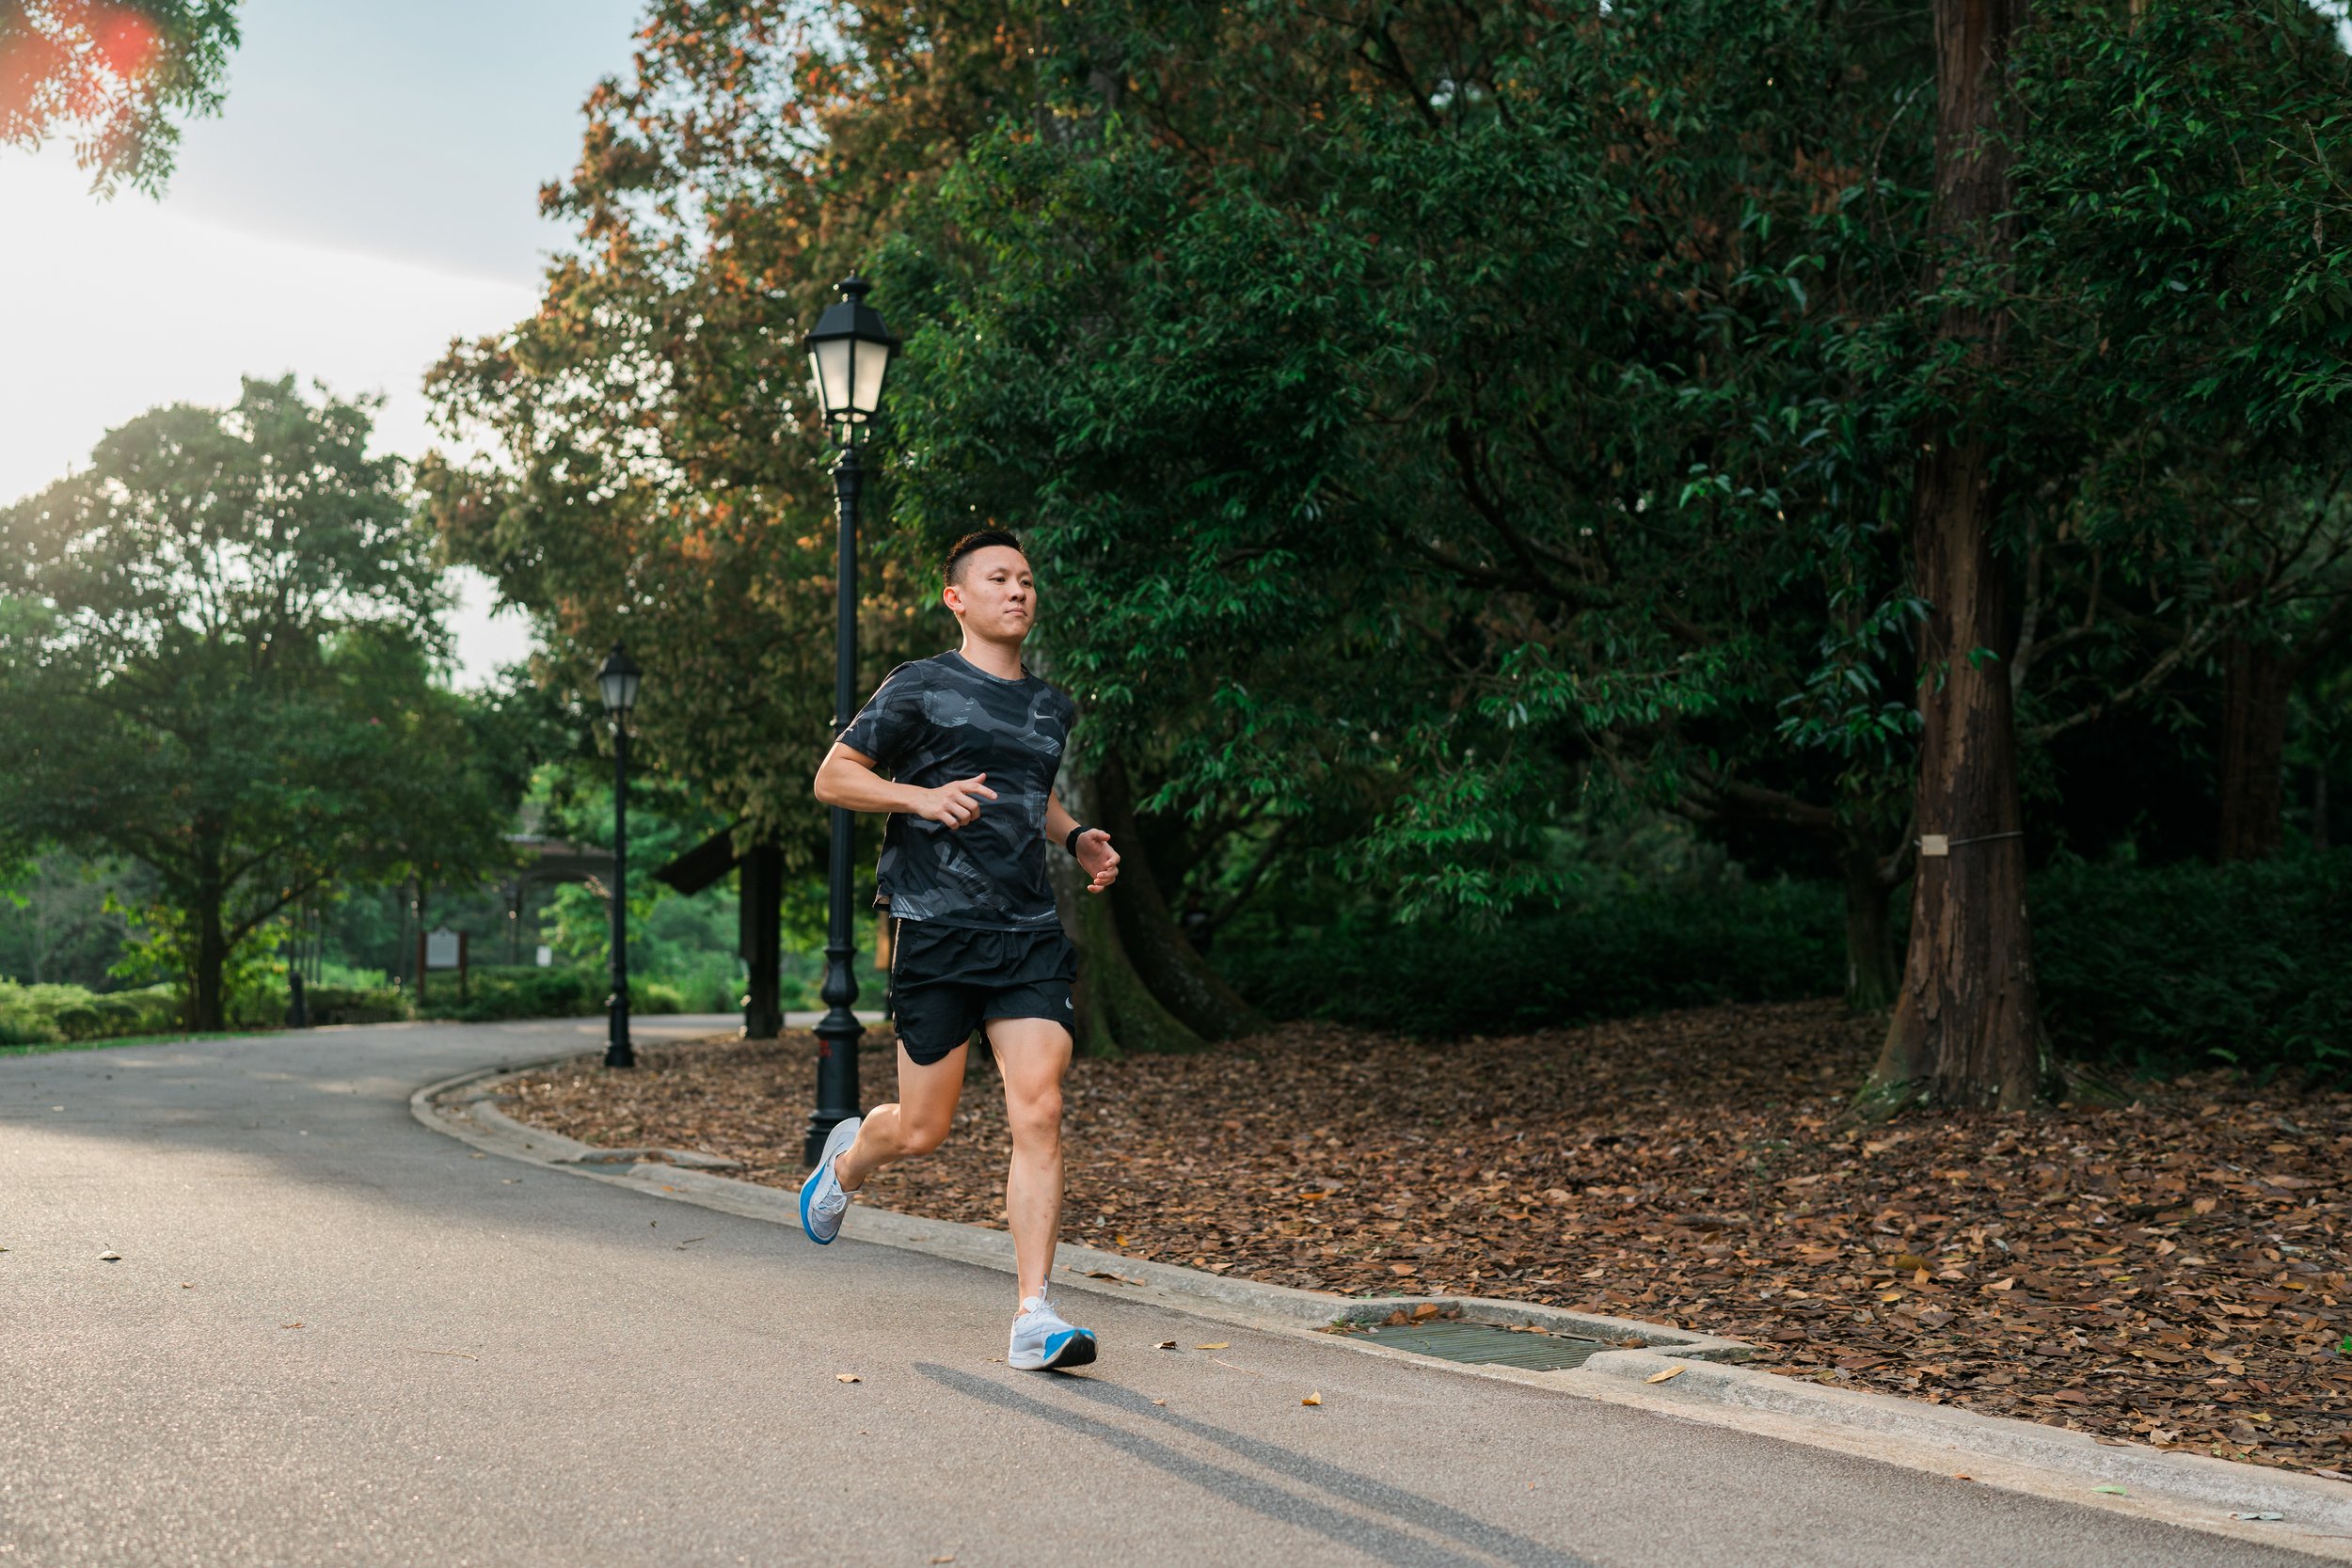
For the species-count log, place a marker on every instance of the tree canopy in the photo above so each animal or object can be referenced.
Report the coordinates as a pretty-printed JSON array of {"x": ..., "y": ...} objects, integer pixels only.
[
  {"x": 218, "y": 657},
  {"x": 1438, "y": 423},
  {"x": 115, "y": 76}
]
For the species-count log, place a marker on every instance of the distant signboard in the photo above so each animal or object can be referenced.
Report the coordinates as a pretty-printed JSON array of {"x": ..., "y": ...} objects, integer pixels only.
[
  {"x": 443, "y": 949},
  {"x": 546, "y": 956}
]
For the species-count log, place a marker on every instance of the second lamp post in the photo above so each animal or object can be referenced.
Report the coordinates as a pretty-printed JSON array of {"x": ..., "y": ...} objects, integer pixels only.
[
  {"x": 617, "y": 681},
  {"x": 849, "y": 353}
]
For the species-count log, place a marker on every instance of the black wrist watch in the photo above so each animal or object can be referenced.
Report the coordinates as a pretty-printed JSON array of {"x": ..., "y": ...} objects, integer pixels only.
[{"x": 1071, "y": 841}]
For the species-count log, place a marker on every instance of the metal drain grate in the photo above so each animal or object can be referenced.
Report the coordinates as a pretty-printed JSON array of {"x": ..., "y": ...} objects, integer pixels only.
[{"x": 1486, "y": 1345}]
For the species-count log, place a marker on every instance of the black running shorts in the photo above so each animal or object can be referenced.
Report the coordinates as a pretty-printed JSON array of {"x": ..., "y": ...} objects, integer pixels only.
[{"x": 948, "y": 980}]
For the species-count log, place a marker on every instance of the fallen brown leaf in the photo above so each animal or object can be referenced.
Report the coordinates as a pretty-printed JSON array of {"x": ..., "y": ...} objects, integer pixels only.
[
  {"x": 1215, "y": 1344},
  {"x": 847, "y": 1377},
  {"x": 1667, "y": 1376},
  {"x": 1313, "y": 1399}
]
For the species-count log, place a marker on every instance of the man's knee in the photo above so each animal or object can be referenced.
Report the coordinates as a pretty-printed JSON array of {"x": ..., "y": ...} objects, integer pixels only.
[
  {"x": 920, "y": 1137},
  {"x": 1036, "y": 1116}
]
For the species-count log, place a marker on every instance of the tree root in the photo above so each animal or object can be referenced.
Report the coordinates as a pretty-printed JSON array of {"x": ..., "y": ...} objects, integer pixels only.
[{"x": 1876, "y": 1101}]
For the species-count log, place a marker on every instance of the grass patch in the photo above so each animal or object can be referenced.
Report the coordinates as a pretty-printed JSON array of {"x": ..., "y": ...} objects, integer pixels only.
[{"x": 47, "y": 1047}]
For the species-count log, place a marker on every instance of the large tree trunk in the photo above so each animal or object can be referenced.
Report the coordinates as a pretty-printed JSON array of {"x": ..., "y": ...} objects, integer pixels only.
[
  {"x": 1162, "y": 958},
  {"x": 208, "y": 1006},
  {"x": 1967, "y": 1023},
  {"x": 2258, "y": 679},
  {"x": 1116, "y": 1010},
  {"x": 760, "y": 884},
  {"x": 1871, "y": 973}
]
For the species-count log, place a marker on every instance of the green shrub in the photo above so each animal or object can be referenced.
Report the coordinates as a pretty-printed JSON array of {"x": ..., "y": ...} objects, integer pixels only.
[
  {"x": 153, "y": 1010},
  {"x": 515, "y": 990},
  {"x": 493, "y": 992},
  {"x": 56, "y": 1015},
  {"x": 2157, "y": 970},
  {"x": 2191, "y": 965},
  {"x": 1638, "y": 952},
  {"x": 326, "y": 1005},
  {"x": 22, "y": 1024}
]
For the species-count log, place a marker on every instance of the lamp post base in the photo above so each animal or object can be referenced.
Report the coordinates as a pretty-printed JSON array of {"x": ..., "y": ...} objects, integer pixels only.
[
  {"x": 838, "y": 1034},
  {"x": 838, "y": 1044},
  {"x": 618, "y": 1051}
]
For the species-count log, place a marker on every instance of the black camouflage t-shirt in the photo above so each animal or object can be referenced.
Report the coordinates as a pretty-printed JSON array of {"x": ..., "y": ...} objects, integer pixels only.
[{"x": 938, "y": 719}]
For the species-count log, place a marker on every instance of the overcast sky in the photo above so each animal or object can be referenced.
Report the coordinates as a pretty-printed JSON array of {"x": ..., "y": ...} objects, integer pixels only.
[{"x": 368, "y": 192}]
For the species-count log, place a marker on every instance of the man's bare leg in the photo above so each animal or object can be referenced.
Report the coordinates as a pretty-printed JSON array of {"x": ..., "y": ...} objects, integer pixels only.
[
  {"x": 1033, "y": 1054},
  {"x": 916, "y": 1124}
]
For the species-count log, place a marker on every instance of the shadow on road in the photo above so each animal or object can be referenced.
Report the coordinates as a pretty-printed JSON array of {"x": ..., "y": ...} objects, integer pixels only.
[{"x": 1372, "y": 1538}]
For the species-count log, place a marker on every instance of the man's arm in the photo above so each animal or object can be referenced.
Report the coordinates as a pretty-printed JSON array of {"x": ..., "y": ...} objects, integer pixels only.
[
  {"x": 847, "y": 778},
  {"x": 1096, "y": 857}
]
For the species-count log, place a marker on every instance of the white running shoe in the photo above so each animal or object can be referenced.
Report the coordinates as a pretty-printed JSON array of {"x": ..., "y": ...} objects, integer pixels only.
[
  {"x": 823, "y": 1199},
  {"x": 1041, "y": 1339}
]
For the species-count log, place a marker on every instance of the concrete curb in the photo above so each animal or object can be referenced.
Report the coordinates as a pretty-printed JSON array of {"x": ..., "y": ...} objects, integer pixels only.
[
  {"x": 2195, "y": 1478},
  {"x": 2188, "y": 1490}
]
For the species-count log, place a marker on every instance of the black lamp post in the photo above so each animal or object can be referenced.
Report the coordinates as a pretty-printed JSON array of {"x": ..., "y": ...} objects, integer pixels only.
[
  {"x": 618, "y": 680},
  {"x": 849, "y": 353}
]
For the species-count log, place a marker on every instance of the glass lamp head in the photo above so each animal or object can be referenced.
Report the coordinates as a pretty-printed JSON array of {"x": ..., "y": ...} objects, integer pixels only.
[
  {"x": 849, "y": 352},
  {"x": 618, "y": 678}
]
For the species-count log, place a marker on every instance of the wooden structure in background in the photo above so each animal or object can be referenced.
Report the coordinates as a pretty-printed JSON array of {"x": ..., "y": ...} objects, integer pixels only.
[{"x": 760, "y": 927}]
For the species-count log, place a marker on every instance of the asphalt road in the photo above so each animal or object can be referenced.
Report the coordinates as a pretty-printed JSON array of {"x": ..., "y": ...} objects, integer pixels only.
[{"x": 335, "y": 1337}]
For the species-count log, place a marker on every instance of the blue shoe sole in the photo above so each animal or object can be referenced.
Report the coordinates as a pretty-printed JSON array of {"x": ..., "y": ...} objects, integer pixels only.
[
  {"x": 808, "y": 1188},
  {"x": 1063, "y": 1351}
]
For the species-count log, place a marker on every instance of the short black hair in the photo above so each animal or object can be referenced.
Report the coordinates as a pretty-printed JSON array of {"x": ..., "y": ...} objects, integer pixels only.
[{"x": 979, "y": 539}]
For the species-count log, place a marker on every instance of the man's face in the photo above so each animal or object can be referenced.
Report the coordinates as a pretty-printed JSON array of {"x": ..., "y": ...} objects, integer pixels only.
[{"x": 994, "y": 594}]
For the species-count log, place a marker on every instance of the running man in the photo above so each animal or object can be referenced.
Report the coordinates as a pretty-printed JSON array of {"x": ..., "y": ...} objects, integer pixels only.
[{"x": 972, "y": 741}]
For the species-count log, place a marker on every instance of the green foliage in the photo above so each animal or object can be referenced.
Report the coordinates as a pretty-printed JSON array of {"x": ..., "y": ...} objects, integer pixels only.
[
  {"x": 1632, "y": 952},
  {"x": 516, "y": 991},
  {"x": 2191, "y": 965},
  {"x": 160, "y": 948},
  {"x": 2156, "y": 970},
  {"x": 2178, "y": 404},
  {"x": 115, "y": 77},
  {"x": 218, "y": 658},
  {"x": 55, "y": 1014},
  {"x": 1434, "y": 422},
  {"x": 62, "y": 918},
  {"x": 1421, "y": 513},
  {"x": 657, "y": 474},
  {"x": 2186, "y": 216},
  {"x": 333, "y": 1005}
]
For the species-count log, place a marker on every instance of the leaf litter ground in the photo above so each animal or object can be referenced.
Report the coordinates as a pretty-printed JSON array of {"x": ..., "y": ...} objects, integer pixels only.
[{"x": 2171, "y": 1272}]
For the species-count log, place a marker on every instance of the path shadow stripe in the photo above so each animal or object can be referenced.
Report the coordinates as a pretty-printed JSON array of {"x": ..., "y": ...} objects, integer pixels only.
[{"x": 1374, "y": 1539}]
